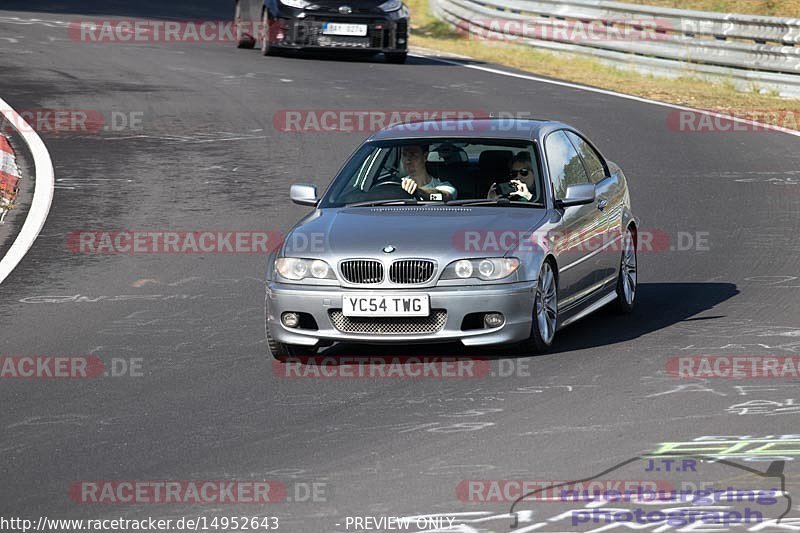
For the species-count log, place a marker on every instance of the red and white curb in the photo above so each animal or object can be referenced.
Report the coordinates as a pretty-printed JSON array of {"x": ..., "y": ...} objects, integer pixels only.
[
  {"x": 9, "y": 178},
  {"x": 42, "y": 190}
]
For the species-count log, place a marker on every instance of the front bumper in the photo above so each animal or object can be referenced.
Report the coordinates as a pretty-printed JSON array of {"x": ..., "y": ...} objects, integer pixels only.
[
  {"x": 514, "y": 300},
  {"x": 383, "y": 35}
]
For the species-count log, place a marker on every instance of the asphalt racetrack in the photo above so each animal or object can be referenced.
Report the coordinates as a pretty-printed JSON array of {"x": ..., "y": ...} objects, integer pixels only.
[{"x": 197, "y": 146}]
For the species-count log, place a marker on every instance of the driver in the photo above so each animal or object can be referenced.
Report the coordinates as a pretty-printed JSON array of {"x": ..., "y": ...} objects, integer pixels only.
[{"x": 418, "y": 180}]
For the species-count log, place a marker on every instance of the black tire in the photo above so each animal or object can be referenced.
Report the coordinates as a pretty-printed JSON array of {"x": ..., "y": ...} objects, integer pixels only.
[
  {"x": 266, "y": 47},
  {"x": 540, "y": 341},
  {"x": 396, "y": 58},
  {"x": 243, "y": 39},
  {"x": 281, "y": 351},
  {"x": 628, "y": 274}
]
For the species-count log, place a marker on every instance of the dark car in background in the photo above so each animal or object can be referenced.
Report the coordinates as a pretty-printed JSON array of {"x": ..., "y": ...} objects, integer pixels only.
[{"x": 368, "y": 26}]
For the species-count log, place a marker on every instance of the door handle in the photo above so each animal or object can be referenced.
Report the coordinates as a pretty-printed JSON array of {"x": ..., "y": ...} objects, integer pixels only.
[{"x": 602, "y": 204}]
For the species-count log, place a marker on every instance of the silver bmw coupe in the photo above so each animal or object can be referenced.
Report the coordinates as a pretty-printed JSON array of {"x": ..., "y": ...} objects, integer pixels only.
[{"x": 484, "y": 231}]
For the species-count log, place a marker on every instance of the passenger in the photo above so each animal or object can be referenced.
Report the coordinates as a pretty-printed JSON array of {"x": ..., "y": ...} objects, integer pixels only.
[
  {"x": 520, "y": 166},
  {"x": 418, "y": 179}
]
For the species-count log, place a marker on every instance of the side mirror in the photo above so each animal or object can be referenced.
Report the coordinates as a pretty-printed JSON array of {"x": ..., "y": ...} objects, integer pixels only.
[
  {"x": 303, "y": 194},
  {"x": 578, "y": 195}
]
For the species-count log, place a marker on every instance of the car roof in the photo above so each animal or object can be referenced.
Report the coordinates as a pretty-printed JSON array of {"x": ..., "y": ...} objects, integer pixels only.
[{"x": 483, "y": 128}]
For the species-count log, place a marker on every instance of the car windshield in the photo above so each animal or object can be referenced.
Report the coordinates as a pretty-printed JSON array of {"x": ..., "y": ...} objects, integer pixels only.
[{"x": 439, "y": 171}]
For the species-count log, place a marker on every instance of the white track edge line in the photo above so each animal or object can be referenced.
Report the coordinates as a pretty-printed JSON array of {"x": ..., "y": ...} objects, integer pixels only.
[
  {"x": 42, "y": 192},
  {"x": 610, "y": 93}
]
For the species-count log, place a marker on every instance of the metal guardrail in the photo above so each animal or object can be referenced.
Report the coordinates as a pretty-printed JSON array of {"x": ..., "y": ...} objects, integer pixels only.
[{"x": 751, "y": 51}]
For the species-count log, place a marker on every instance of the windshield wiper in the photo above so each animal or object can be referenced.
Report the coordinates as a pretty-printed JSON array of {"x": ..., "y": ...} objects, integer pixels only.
[
  {"x": 396, "y": 201},
  {"x": 499, "y": 201}
]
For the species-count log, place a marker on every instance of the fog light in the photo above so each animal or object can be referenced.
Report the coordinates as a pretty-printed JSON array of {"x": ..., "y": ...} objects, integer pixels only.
[
  {"x": 401, "y": 41},
  {"x": 290, "y": 320},
  {"x": 493, "y": 320}
]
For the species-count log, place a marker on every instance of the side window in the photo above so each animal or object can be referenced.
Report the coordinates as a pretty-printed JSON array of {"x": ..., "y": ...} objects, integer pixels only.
[
  {"x": 564, "y": 163},
  {"x": 591, "y": 159}
]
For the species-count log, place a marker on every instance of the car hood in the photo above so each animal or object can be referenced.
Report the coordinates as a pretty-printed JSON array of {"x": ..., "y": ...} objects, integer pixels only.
[
  {"x": 354, "y": 4},
  {"x": 439, "y": 232}
]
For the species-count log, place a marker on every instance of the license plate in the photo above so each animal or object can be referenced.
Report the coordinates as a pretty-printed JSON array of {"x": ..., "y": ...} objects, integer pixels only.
[
  {"x": 385, "y": 305},
  {"x": 336, "y": 28}
]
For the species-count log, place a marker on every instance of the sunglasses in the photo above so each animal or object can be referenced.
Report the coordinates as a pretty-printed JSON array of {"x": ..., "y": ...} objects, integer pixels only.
[{"x": 522, "y": 172}]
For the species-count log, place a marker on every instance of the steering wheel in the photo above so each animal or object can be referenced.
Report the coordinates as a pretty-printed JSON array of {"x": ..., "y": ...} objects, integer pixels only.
[
  {"x": 384, "y": 184},
  {"x": 387, "y": 188}
]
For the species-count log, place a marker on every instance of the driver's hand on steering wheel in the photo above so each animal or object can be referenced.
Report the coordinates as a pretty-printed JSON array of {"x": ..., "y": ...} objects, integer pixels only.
[{"x": 408, "y": 185}]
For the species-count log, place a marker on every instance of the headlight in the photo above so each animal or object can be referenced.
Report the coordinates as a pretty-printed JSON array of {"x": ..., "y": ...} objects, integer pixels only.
[
  {"x": 297, "y": 4},
  {"x": 486, "y": 268},
  {"x": 391, "y": 5},
  {"x": 489, "y": 269},
  {"x": 463, "y": 268},
  {"x": 297, "y": 269},
  {"x": 319, "y": 269}
]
